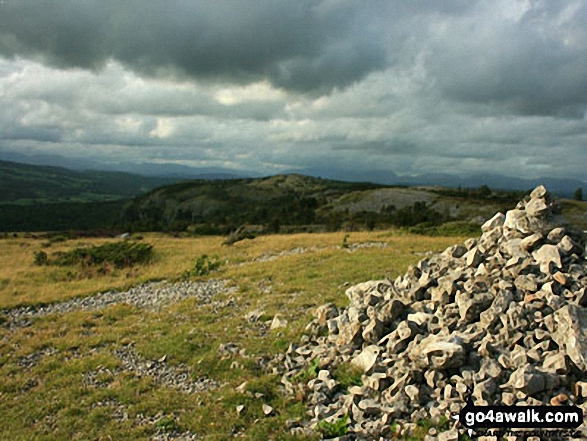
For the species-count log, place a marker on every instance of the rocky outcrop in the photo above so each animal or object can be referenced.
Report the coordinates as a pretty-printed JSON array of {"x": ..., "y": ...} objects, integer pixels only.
[{"x": 503, "y": 315}]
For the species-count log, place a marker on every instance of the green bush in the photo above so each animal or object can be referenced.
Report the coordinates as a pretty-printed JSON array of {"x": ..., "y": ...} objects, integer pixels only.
[
  {"x": 203, "y": 266},
  {"x": 345, "y": 243},
  {"x": 41, "y": 258},
  {"x": 119, "y": 254},
  {"x": 168, "y": 425},
  {"x": 332, "y": 430},
  {"x": 309, "y": 373}
]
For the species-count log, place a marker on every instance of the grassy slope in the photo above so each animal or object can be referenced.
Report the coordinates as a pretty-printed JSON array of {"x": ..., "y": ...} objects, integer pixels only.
[
  {"x": 234, "y": 202},
  {"x": 49, "y": 400},
  {"x": 26, "y": 184}
]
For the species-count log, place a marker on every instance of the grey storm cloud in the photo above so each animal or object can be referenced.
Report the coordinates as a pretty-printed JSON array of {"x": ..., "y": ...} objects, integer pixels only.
[
  {"x": 533, "y": 63},
  {"x": 418, "y": 86},
  {"x": 300, "y": 45}
]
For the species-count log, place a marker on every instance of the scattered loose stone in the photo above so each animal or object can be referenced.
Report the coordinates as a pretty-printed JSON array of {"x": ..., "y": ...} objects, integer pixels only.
[
  {"x": 175, "y": 376},
  {"x": 153, "y": 295}
]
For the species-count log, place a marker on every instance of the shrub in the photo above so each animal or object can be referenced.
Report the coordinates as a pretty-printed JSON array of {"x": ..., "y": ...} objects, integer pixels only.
[
  {"x": 309, "y": 373},
  {"x": 119, "y": 254},
  {"x": 168, "y": 424},
  {"x": 345, "y": 243},
  {"x": 41, "y": 258},
  {"x": 333, "y": 430},
  {"x": 203, "y": 266}
]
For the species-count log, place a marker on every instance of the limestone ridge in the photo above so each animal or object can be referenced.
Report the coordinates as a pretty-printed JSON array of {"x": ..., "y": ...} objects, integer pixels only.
[{"x": 504, "y": 315}]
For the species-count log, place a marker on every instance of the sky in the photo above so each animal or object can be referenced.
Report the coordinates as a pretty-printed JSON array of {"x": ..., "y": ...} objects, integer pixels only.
[{"x": 415, "y": 87}]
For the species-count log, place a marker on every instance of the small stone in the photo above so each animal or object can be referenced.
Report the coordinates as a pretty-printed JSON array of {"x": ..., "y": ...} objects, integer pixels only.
[
  {"x": 581, "y": 389},
  {"x": 571, "y": 333},
  {"x": 556, "y": 235},
  {"x": 449, "y": 435},
  {"x": 527, "y": 380},
  {"x": 547, "y": 255},
  {"x": 367, "y": 358},
  {"x": 370, "y": 407},
  {"x": 239, "y": 409},
  {"x": 526, "y": 283},
  {"x": 243, "y": 387},
  {"x": 568, "y": 246},
  {"x": 508, "y": 398},
  {"x": 413, "y": 392},
  {"x": 326, "y": 312},
  {"x": 536, "y": 207},
  {"x": 373, "y": 331},
  {"x": 349, "y": 333},
  {"x": 530, "y": 242},
  {"x": 560, "y": 278},
  {"x": 439, "y": 352},
  {"x": 267, "y": 409},
  {"x": 529, "y": 298},
  {"x": 494, "y": 222},
  {"x": 419, "y": 318},
  {"x": 254, "y": 316},
  {"x": 377, "y": 381},
  {"x": 474, "y": 257},
  {"x": 538, "y": 192},
  {"x": 278, "y": 322},
  {"x": 555, "y": 363},
  {"x": 559, "y": 400}
]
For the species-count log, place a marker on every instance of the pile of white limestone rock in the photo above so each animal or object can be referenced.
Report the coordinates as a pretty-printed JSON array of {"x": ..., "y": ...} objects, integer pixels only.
[{"x": 503, "y": 316}]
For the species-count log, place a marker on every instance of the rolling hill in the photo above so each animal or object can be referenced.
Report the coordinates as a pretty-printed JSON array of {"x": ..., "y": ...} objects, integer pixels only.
[
  {"x": 294, "y": 202},
  {"x": 43, "y": 198},
  {"x": 25, "y": 184}
]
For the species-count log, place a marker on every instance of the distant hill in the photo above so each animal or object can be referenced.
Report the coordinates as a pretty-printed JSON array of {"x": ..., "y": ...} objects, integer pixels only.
[
  {"x": 283, "y": 200},
  {"x": 48, "y": 198},
  {"x": 561, "y": 187},
  {"x": 26, "y": 184},
  {"x": 44, "y": 198},
  {"x": 295, "y": 202}
]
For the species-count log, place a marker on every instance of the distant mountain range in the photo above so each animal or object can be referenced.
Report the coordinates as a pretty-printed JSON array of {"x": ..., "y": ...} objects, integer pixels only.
[
  {"x": 170, "y": 171},
  {"x": 563, "y": 187},
  {"x": 41, "y": 198}
]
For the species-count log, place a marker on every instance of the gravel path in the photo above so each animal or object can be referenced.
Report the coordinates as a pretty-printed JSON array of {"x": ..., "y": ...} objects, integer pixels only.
[
  {"x": 153, "y": 295},
  {"x": 269, "y": 256}
]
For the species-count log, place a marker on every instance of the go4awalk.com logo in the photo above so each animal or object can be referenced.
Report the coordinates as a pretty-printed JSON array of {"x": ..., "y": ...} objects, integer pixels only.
[{"x": 481, "y": 418}]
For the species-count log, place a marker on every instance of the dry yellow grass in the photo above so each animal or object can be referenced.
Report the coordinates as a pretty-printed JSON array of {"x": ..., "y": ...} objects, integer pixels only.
[{"x": 24, "y": 283}]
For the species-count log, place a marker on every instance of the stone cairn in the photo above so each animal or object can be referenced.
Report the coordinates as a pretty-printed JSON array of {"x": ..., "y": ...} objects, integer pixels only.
[{"x": 503, "y": 316}]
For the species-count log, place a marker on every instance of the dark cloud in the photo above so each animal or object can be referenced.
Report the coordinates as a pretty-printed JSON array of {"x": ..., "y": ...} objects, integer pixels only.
[
  {"x": 530, "y": 61},
  {"x": 412, "y": 86},
  {"x": 301, "y": 45}
]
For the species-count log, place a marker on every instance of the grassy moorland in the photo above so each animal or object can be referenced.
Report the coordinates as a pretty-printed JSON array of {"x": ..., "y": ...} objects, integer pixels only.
[{"x": 43, "y": 394}]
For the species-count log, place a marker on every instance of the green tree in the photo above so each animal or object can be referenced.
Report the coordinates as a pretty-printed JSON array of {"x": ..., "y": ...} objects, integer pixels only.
[
  {"x": 579, "y": 194},
  {"x": 484, "y": 191}
]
